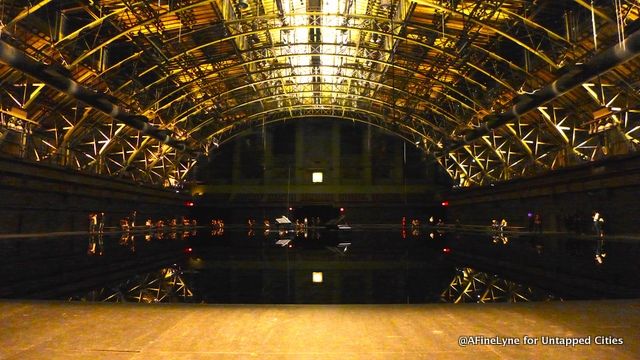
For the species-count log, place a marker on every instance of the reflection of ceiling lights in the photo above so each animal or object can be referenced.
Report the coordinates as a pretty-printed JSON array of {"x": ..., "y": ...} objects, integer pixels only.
[{"x": 243, "y": 4}]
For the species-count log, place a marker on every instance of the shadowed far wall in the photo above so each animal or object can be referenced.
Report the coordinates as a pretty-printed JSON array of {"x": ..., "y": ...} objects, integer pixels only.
[
  {"x": 40, "y": 198},
  {"x": 376, "y": 175},
  {"x": 565, "y": 198}
]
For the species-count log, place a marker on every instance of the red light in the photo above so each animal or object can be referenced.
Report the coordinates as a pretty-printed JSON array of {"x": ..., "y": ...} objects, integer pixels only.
[
  {"x": 445, "y": 203},
  {"x": 290, "y": 209},
  {"x": 188, "y": 203},
  {"x": 188, "y": 250},
  {"x": 446, "y": 250},
  {"x": 341, "y": 209}
]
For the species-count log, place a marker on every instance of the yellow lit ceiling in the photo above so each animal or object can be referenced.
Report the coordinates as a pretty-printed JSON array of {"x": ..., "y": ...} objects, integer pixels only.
[{"x": 427, "y": 71}]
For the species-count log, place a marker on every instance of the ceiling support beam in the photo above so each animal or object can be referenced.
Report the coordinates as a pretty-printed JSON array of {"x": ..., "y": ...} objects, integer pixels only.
[
  {"x": 576, "y": 76},
  {"x": 52, "y": 77}
]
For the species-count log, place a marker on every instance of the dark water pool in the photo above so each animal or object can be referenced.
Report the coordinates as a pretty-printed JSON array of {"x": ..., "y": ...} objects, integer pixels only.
[{"x": 320, "y": 266}]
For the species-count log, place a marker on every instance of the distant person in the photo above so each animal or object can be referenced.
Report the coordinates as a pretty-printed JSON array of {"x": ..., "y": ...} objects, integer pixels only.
[
  {"x": 132, "y": 219},
  {"x": 503, "y": 225},
  {"x": 101, "y": 222},
  {"x": 93, "y": 222},
  {"x": 598, "y": 223},
  {"x": 124, "y": 224},
  {"x": 537, "y": 223},
  {"x": 494, "y": 224}
]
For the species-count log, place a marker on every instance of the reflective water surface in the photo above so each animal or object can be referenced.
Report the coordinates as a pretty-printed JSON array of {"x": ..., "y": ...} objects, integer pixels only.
[{"x": 320, "y": 266}]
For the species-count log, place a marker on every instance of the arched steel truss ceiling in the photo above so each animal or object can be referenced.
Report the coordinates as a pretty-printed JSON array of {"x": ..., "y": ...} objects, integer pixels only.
[
  {"x": 406, "y": 38},
  {"x": 275, "y": 26},
  {"x": 401, "y": 93},
  {"x": 439, "y": 68},
  {"x": 399, "y": 37},
  {"x": 474, "y": 105}
]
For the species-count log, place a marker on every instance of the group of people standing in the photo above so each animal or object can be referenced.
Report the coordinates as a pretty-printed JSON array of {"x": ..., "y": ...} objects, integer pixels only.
[{"x": 96, "y": 222}]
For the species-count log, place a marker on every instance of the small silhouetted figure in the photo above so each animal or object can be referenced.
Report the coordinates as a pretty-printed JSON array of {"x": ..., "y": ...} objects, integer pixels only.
[
  {"x": 93, "y": 222},
  {"x": 101, "y": 222},
  {"x": 503, "y": 226},
  {"x": 598, "y": 223},
  {"x": 494, "y": 224},
  {"x": 537, "y": 223},
  {"x": 132, "y": 219},
  {"x": 598, "y": 226},
  {"x": 124, "y": 224}
]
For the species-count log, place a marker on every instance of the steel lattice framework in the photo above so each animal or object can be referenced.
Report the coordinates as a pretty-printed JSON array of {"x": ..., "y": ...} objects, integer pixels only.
[
  {"x": 164, "y": 285},
  {"x": 428, "y": 71},
  {"x": 470, "y": 285}
]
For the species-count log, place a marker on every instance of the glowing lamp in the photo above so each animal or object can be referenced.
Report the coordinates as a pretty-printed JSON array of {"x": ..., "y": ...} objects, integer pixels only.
[{"x": 316, "y": 277}]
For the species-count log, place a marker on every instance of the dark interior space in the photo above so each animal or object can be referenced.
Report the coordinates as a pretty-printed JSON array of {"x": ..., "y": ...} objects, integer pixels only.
[{"x": 309, "y": 179}]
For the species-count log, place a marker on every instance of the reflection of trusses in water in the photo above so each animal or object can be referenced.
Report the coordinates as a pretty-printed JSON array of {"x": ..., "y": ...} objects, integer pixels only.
[
  {"x": 469, "y": 285},
  {"x": 165, "y": 285}
]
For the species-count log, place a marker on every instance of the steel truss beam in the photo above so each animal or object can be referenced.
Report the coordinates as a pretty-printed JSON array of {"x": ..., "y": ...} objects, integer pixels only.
[
  {"x": 600, "y": 64},
  {"x": 19, "y": 60}
]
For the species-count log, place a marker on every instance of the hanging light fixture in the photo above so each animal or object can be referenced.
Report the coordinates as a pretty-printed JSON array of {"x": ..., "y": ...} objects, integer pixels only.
[{"x": 243, "y": 4}]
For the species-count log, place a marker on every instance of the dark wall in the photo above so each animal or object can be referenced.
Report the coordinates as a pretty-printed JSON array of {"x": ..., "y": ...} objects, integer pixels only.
[
  {"x": 363, "y": 167},
  {"x": 345, "y": 152},
  {"x": 565, "y": 199},
  {"x": 40, "y": 198}
]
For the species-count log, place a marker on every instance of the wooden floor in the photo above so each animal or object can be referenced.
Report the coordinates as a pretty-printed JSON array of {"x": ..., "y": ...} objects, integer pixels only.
[{"x": 58, "y": 330}]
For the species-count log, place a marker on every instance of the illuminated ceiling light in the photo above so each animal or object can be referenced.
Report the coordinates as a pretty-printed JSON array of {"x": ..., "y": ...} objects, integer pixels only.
[
  {"x": 316, "y": 277},
  {"x": 243, "y": 4},
  {"x": 316, "y": 177}
]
